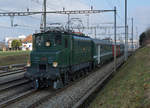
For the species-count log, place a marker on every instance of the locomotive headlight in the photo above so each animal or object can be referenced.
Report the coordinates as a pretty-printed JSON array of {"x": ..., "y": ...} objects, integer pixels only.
[
  {"x": 55, "y": 64},
  {"x": 48, "y": 44}
]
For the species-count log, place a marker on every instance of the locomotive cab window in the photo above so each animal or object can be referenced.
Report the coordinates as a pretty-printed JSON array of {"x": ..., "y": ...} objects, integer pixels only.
[
  {"x": 58, "y": 40},
  {"x": 38, "y": 40}
]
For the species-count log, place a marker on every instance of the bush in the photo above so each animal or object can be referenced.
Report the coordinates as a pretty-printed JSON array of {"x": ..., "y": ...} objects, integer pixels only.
[{"x": 16, "y": 44}]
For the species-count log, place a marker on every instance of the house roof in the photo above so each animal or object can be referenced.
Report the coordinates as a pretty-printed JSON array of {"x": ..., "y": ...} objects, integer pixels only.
[{"x": 28, "y": 39}]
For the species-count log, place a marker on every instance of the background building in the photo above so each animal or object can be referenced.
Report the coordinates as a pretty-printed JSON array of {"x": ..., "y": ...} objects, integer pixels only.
[
  {"x": 8, "y": 40},
  {"x": 27, "y": 43}
]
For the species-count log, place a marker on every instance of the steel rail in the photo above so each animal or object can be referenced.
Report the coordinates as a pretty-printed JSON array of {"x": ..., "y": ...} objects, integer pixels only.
[
  {"x": 11, "y": 73},
  {"x": 94, "y": 87},
  {"x": 13, "y": 84},
  {"x": 18, "y": 97}
]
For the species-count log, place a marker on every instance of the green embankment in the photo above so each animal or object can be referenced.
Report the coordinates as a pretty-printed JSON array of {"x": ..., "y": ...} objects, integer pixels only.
[
  {"x": 130, "y": 87},
  {"x": 17, "y": 57}
]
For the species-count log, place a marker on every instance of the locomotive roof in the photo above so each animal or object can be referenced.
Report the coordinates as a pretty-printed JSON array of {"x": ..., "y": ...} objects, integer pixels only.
[
  {"x": 81, "y": 37},
  {"x": 63, "y": 32},
  {"x": 48, "y": 32},
  {"x": 97, "y": 41}
]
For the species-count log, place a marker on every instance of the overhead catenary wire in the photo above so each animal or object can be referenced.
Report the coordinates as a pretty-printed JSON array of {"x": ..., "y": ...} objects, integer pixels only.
[
  {"x": 38, "y": 2},
  {"x": 7, "y": 27},
  {"x": 111, "y": 5}
]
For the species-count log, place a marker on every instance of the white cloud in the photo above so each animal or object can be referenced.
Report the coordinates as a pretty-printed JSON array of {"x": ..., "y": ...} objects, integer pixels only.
[
  {"x": 33, "y": 5},
  {"x": 142, "y": 17},
  {"x": 37, "y": 4}
]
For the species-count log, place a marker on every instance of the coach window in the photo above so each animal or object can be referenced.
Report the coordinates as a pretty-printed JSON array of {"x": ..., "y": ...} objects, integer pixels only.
[{"x": 66, "y": 43}]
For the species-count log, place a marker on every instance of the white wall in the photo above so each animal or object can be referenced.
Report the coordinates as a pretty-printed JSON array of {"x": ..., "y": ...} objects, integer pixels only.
[{"x": 26, "y": 46}]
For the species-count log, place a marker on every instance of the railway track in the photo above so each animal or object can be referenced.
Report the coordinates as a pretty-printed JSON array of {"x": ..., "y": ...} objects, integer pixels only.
[
  {"x": 15, "y": 88},
  {"x": 2, "y": 74},
  {"x": 93, "y": 89},
  {"x": 54, "y": 93},
  {"x": 38, "y": 96},
  {"x": 43, "y": 95},
  {"x": 31, "y": 98},
  {"x": 10, "y": 70},
  {"x": 16, "y": 98},
  {"x": 75, "y": 95},
  {"x": 11, "y": 92},
  {"x": 13, "y": 83}
]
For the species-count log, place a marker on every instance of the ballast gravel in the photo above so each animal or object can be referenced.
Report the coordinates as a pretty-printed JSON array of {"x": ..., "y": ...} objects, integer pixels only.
[{"x": 73, "y": 94}]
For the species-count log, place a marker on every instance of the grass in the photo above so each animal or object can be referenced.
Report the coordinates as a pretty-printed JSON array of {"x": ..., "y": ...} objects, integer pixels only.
[
  {"x": 13, "y": 53},
  {"x": 130, "y": 87},
  {"x": 15, "y": 57}
]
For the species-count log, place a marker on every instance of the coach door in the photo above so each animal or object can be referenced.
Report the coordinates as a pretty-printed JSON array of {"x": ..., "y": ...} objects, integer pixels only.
[{"x": 99, "y": 50}]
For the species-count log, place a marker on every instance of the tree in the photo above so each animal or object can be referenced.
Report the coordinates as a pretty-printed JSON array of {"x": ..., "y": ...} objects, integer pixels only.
[
  {"x": 142, "y": 39},
  {"x": 16, "y": 44}
]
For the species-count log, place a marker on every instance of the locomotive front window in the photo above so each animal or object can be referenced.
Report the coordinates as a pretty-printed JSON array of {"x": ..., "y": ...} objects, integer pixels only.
[
  {"x": 58, "y": 40},
  {"x": 39, "y": 40}
]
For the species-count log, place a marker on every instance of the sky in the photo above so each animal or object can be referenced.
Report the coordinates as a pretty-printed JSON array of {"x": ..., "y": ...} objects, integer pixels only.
[{"x": 138, "y": 9}]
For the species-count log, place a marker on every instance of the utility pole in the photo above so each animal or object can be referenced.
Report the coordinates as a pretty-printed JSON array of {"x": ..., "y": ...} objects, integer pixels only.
[
  {"x": 44, "y": 16},
  {"x": 68, "y": 22},
  {"x": 137, "y": 36},
  {"x": 132, "y": 35},
  {"x": 12, "y": 20},
  {"x": 95, "y": 32},
  {"x": 126, "y": 37},
  {"x": 88, "y": 20},
  {"x": 115, "y": 31}
]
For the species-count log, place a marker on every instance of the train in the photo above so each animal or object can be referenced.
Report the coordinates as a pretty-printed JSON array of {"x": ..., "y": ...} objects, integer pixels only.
[{"x": 59, "y": 57}]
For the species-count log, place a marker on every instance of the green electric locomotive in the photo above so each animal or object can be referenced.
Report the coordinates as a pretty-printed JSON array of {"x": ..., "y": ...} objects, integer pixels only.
[
  {"x": 60, "y": 56},
  {"x": 57, "y": 56}
]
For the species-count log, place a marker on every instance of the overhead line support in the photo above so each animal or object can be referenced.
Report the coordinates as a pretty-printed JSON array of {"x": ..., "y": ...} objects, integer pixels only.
[
  {"x": 115, "y": 32},
  {"x": 126, "y": 34},
  {"x": 44, "y": 15},
  {"x": 53, "y": 12}
]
